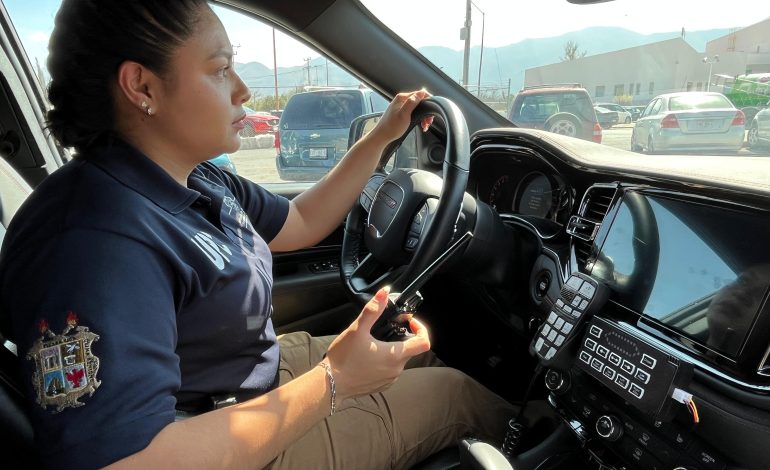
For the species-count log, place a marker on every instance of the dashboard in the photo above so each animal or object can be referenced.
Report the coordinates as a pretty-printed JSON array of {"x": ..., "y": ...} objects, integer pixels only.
[{"x": 679, "y": 351}]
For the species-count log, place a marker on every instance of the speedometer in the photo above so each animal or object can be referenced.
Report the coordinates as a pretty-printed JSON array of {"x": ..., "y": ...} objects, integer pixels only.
[{"x": 534, "y": 196}]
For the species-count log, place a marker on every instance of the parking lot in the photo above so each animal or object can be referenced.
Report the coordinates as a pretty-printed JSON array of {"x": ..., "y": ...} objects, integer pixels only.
[{"x": 259, "y": 164}]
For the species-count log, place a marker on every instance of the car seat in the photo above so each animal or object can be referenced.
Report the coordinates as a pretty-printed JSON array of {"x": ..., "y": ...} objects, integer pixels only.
[{"x": 16, "y": 435}]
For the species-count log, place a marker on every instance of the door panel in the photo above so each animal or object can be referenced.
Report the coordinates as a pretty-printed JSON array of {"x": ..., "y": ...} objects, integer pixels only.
[{"x": 308, "y": 293}]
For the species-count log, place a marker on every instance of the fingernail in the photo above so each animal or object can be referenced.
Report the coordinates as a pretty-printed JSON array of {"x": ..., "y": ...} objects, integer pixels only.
[{"x": 382, "y": 294}]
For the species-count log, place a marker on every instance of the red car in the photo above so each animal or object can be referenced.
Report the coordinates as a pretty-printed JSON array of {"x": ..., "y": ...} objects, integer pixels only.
[{"x": 259, "y": 122}]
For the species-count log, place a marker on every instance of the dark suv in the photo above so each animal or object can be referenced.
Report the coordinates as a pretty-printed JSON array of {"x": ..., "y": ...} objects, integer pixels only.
[
  {"x": 562, "y": 109},
  {"x": 313, "y": 132}
]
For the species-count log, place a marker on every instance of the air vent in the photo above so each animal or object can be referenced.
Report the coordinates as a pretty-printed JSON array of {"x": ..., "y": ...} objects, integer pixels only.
[{"x": 584, "y": 226}]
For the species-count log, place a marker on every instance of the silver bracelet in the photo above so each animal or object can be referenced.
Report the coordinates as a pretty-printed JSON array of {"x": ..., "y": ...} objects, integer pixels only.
[{"x": 329, "y": 374}]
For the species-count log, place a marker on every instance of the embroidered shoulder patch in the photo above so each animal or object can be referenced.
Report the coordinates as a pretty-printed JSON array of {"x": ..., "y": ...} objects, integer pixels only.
[{"x": 65, "y": 367}]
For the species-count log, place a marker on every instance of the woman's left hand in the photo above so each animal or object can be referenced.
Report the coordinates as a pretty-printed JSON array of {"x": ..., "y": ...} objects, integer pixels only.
[{"x": 398, "y": 116}]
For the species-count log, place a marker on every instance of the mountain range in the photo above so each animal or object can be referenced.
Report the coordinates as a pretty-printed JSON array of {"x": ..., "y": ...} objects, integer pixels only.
[{"x": 499, "y": 64}]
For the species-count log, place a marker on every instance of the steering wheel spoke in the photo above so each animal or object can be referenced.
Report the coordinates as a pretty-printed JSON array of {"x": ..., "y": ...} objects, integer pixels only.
[{"x": 406, "y": 218}]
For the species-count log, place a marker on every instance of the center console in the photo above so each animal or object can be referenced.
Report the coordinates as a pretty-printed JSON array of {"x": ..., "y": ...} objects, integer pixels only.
[{"x": 677, "y": 289}]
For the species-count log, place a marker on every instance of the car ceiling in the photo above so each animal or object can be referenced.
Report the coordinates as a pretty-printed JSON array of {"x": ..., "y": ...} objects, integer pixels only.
[{"x": 377, "y": 56}]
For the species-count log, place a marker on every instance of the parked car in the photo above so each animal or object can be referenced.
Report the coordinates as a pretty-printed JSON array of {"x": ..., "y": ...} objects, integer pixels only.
[
  {"x": 624, "y": 115},
  {"x": 759, "y": 130},
  {"x": 224, "y": 162},
  {"x": 635, "y": 111},
  {"x": 689, "y": 121},
  {"x": 313, "y": 131},
  {"x": 606, "y": 117},
  {"x": 561, "y": 109},
  {"x": 259, "y": 122}
]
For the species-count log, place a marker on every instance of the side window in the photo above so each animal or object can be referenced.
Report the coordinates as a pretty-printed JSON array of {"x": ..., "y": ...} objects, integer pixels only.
[
  {"x": 648, "y": 109},
  {"x": 656, "y": 107},
  {"x": 379, "y": 104}
]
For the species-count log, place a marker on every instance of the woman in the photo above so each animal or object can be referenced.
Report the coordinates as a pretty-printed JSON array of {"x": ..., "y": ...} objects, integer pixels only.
[{"x": 137, "y": 277}]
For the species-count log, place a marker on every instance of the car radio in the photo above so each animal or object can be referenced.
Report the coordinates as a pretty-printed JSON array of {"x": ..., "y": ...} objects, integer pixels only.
[{"x": 637, "y": 371}]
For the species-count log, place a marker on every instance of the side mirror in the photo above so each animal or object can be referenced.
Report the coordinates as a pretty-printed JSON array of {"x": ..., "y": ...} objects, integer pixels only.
[{"x": 361, "y": 126}]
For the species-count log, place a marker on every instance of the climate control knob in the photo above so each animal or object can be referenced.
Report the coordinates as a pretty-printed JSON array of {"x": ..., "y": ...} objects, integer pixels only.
[{"x": 609, "y": 427}]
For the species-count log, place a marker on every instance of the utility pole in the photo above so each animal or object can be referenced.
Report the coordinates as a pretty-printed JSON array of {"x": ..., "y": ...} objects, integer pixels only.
[
  {"x": 275, "y": 74},
  {"x": 465, "y": 33},
  {"x": 307, "y": 68}
]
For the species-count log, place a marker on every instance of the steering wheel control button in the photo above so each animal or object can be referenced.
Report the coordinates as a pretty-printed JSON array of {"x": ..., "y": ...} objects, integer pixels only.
[
  {"x": 636, "y": 391},
  {"x": 583, "y": 305},
  {"x": 539, "y": 344},
  {"x": 567, "y": 327},
  {"x": 549, "y": 355},
  {"x": 552, "y": 335},
  {"x": 558, "y": 324},
  {"x": 559, "y": 303},
  {"x": 411, "y": 243},
  {"x": 627, "y": 367},
  {"x": 642, "y": 376},
  {"x": 559, "y": 341},
  {"x": 590, "y": 344},
  {"x": 552, "y": 318},
  {"x": 648, "y": 362}
]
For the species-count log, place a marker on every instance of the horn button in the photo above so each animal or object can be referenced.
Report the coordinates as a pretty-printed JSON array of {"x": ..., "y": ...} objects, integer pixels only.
[{"x": 389, "y": 219}]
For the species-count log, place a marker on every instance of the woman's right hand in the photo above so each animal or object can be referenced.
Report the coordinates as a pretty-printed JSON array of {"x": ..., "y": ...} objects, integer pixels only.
[{"x": 362, "y": 364}]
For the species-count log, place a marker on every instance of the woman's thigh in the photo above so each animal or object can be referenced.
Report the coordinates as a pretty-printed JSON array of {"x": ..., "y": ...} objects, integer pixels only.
[{"x": 425, "y": 410}]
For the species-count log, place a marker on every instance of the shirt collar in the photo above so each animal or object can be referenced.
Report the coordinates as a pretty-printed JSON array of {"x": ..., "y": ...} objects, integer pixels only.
[{"x": 135, "y": 170}]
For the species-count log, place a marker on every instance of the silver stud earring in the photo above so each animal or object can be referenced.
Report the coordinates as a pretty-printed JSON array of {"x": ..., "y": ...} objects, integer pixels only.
[{"x": 147, "y": 109}]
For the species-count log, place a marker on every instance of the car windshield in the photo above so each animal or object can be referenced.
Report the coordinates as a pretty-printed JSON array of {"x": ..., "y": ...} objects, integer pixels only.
[
  {"x": 322, "y": 110},
  {"x": 698, "y": 101},
  {"x": 621, "y": 52}
]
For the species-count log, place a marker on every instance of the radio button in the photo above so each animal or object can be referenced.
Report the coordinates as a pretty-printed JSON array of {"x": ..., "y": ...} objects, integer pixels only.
[
  {"x": 587, "y": 290},
  {"x": 597, "y": 365},
  {"x": 628, "y": 367},
  {"x": 590, "y": 344},
  {"x": 602, "y": 351},
  {"x": 622, "y": 381},
  {"x": 585, "y": 357},
  {"x": 648, "y": 361},
  {"x": 614, "y": 359},
  {"x": 609, "y": 372},
  {"x": 636, "y": 391},
  {"x": 643, "y": 376},
  {"x": 595, "y": 331}
]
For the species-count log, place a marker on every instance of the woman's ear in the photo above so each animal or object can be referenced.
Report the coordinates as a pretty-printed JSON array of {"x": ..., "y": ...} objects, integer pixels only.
[{"x": 138, "y": 85}]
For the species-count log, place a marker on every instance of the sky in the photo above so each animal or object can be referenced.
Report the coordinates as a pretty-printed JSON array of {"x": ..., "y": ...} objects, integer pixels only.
[{"x": 438, "y": 22}]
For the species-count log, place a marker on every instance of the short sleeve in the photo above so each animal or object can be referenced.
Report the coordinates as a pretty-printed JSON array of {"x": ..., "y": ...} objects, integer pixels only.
[
  {"x": 122, "y": 291},
  {"x": 267, "y": 211}
]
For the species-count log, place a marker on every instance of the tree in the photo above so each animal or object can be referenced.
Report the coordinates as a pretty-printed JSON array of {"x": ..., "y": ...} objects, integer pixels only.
[{"x": 571, "y": 52}]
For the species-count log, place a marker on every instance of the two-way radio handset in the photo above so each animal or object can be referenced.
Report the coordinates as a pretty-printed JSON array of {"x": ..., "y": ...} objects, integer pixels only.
[{"x": 393, "y": 324}]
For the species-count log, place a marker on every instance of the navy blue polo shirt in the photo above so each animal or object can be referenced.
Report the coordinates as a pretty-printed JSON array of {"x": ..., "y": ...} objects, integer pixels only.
[{"x": 175, "y": 282}]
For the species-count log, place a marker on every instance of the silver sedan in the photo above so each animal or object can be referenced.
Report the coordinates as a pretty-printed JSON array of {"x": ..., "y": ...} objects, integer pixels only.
[
  {"x": 689, "y": 121},
  {"x": 759, "y": 132}
]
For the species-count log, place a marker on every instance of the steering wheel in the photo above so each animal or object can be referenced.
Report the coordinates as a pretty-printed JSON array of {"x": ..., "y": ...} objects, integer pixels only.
[{"x": 405, "y": 218}]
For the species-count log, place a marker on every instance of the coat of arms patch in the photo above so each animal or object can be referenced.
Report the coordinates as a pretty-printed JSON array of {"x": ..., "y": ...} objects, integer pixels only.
[{"x": 65, "y": 367}]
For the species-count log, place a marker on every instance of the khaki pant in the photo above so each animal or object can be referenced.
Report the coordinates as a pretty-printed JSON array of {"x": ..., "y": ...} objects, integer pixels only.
[{"x": 429, "y": 407}]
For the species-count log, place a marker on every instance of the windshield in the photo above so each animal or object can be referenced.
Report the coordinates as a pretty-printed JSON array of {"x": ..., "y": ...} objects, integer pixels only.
[{"x": 513, "y": 56}]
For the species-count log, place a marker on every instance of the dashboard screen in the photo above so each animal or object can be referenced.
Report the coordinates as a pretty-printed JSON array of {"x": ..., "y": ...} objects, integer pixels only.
[{"x": 700, "y": 270}]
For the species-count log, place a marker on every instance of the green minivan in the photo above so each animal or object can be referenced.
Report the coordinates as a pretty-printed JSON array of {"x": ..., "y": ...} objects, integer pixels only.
[{"x": 313, "y": 131}]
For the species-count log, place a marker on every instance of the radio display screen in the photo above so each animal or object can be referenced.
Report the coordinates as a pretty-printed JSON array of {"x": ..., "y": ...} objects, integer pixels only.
[{"x": 700, "y": 270}]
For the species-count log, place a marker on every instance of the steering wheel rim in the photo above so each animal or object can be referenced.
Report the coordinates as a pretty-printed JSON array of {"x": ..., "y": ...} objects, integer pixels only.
[{"x": 418, "y": 186}]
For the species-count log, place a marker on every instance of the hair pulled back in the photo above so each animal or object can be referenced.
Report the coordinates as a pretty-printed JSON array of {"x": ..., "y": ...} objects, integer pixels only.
[{"x": 90, "y": 39}]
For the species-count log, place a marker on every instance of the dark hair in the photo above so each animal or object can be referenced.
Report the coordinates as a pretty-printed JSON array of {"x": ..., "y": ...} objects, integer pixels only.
[{"x": 90, "y": 39}]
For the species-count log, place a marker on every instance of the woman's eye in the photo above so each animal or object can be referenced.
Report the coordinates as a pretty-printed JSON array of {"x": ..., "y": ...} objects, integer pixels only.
[{"x": 224, "y": 70}]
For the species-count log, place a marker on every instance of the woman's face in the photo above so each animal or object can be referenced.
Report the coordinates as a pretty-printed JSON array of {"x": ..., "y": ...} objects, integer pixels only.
[{"x": 200, "y": 107}]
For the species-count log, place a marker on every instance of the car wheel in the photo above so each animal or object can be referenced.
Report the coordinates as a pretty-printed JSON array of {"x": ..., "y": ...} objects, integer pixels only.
[
  {"x": 564, "y": 125},
  {"x": 753, "y": 138},
  {"x": 650, "y": 145},
  {"x": 628, "y": 120}
]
